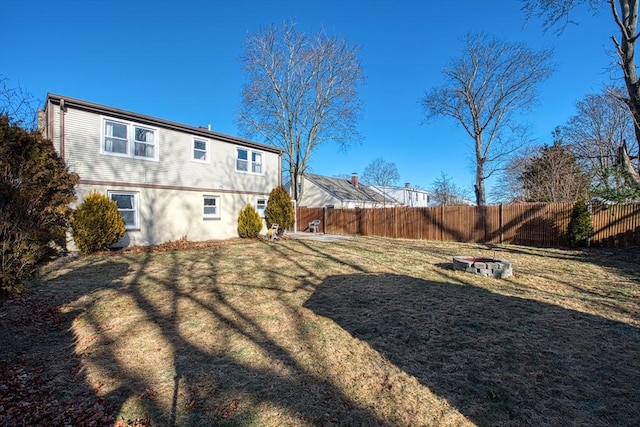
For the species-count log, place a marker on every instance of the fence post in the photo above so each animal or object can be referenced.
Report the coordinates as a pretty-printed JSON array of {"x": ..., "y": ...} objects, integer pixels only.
[
  {"x": 324, "y": 220},
  {"x": 501, "y": 222},
  {"x": 442, "y": 223}
]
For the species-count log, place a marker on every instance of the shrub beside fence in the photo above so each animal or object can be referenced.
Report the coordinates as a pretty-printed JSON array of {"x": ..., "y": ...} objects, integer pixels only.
[{"x": 533, "y": 224}]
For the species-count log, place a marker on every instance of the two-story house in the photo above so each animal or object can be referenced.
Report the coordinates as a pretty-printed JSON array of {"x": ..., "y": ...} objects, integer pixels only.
[
  {"x": 405, "y": 196},
  {"x": 170, "y": 180}
]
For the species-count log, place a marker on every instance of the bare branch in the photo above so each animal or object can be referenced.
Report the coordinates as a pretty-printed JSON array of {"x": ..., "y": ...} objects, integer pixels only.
[
  {"x": 484, "y": 87},
  {"x": 301, "y": 91}
]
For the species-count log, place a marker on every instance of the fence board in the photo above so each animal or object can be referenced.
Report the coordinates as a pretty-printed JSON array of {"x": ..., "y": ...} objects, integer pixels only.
[{"x": 533, "y": 224}]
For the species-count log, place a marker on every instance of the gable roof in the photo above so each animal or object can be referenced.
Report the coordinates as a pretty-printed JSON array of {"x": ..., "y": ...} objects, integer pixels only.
[
  {"x": 154, "y": 121},
  {"x": 344, "y": 190}
]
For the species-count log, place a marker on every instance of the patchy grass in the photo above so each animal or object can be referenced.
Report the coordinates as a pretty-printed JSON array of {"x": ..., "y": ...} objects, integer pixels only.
[{"x": 359, "y": 332}]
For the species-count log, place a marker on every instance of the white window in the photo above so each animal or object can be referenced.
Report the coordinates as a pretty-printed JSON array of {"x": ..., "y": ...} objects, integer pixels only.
[
  {"x": 128, "y": 208},
  {"x": 144, "y": 142},
  {"x": 261, "y": 205},
  {"x": 249, "y": 161},
  {"x": 129, "y": 139},
  {"x": 256, "y": 162},
  {"x": 200, "y": 150},
  {"x": 115, "y": 138},
  {"x": 242, "y": 161},
  {"x": 211, "y": 207}
]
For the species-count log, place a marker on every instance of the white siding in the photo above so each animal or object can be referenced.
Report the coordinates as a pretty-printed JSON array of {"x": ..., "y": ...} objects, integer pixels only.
[
  {"x": 175, "y": 166},
  {"x": 316, "y": 197},
  {"x": 166, "y": 215},
  {"x": 171, "y": 189}
]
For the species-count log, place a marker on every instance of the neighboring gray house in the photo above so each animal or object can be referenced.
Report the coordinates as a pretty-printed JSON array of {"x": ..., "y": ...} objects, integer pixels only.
[
  {"x": 324, "y": 191},
  {"x": 405, "y": 196},
  {"x": 170, "y": 180}
]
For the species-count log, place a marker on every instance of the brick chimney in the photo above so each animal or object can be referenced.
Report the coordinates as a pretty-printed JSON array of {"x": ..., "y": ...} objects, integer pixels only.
[
  {"x": 354, "y": 179},
  {"x": 407, "y": 185}
]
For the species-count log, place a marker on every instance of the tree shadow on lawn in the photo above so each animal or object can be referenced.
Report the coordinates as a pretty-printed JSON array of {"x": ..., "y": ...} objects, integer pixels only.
[
  {"x": 43, "y": 382},
  {"x": 196, "y": 384},
  {"x": 619, "y": 261},
  {"x": 499, "y": 360}
]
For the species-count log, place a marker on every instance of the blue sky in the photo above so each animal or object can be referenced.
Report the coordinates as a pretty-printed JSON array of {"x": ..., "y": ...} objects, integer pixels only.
[{"x": 180, "y": 61}]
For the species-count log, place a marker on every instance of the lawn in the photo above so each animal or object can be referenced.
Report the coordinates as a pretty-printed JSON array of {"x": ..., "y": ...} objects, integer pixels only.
[{"x": 367, "y": 331}]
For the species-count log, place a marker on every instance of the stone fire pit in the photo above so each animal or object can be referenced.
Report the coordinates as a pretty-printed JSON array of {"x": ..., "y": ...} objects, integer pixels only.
[{"x": 490, "y": 267}]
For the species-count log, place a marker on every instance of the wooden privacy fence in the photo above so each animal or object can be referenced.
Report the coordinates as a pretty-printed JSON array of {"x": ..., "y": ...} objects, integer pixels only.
[{"x": 534, "y": 224}]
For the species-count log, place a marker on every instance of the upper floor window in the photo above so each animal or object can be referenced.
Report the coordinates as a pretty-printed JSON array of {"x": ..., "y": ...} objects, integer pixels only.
[
  {"x": 200, "y": 150},
  {"x": 144, "y": 142},
  {"x": 256, "y": 162},
  {"x": 115, "y": 137},
  {"x": 248, "y": 161},
  {"x": 129, "y": 139}
]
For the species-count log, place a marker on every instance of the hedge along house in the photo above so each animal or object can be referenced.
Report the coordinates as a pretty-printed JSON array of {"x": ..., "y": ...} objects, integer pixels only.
[{"x": 170, "y": 180}]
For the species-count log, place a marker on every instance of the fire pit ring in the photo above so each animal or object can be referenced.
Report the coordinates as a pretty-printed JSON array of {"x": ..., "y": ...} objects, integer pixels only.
[{"x": 490, "y": 267}]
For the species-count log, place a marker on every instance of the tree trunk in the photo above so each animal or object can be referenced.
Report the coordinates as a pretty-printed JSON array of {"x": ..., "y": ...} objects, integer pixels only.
[
  {"x": 626, "y": 50},
  {"x": 481, "y": 199},
  {"x": 480, "y": 160},
  {"x": 624, "y": 161}
]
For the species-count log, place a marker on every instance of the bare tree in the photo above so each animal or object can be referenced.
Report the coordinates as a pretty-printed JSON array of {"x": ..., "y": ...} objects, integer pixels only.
[
  {"x": 445, "y": 192},
  {"x": 510, "y": 189},
  {"x": 491, "y": 81},
  {"x": 301, "y": 92},
  {"x": 625, "y": 15},
  {"x": 381, "y": 173},
  {"x": 18, "y": 104},
  {"x": 595, "y": 134}
]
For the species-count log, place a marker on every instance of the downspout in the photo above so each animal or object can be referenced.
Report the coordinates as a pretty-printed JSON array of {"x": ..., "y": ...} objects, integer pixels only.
[
  {"x": 50, "y": 122},
  {"x": 62, "y": 128},
  {"x": 280, "y": 170}
]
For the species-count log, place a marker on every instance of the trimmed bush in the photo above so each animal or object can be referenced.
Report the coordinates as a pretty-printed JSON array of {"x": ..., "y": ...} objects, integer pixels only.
[
  {"x": 580, "y": 226},
  {"x": 97, "y": 224},
  {"x": 279, "y": 210},
  {"x": 249, "y": 222}
]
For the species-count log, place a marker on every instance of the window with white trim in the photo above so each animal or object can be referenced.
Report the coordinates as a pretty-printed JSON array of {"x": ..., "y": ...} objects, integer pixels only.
[
  {"x": 144, "y": 142},
  {"x": 129, "y": 139},
  {"x": 249, "y": 161},
  {"x": 115, "y": 138},
  {"x": 261, "y": 205},
  {"x": 256, "y": 162},
  {"x": 128, "y": 207},
  {"x": 211, "y": 207},
  {"x": 242, "y": 160},
  {"x": 200, "y": 150}
]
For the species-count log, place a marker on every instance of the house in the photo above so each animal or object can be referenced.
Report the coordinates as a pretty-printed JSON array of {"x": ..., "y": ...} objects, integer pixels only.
[
  {"x": 324, "y": 191},
  {"x": 170, "y": 180},
  {"x": 405, "y": 196}
]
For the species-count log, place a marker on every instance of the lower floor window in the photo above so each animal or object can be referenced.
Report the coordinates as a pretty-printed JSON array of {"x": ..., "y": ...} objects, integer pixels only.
[
  {"x": 261, "y": 205},
  {"x": 128, "y": 208},
  {"x": 211, "y": 207}
]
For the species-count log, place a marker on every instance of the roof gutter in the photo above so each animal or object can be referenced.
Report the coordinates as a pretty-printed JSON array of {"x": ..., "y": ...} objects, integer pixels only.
[{"x": 153, "y": 121}]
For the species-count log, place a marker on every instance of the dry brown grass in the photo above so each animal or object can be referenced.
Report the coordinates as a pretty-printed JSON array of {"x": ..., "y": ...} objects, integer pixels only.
[{"x": 361, "y": 332}]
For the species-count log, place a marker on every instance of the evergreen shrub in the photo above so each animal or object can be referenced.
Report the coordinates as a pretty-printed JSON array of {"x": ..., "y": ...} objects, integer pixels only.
[
  {"x": 580, "y": 226},
  {"x": 279, "y": 209},
  {"x": 249, "y": 222},
  {"x": 97, "y": 224},
  {"x": 36, "y": 188}
]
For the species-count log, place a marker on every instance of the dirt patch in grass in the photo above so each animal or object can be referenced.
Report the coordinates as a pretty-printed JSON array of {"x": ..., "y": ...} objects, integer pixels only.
[{"x": 358, "y": 332}]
